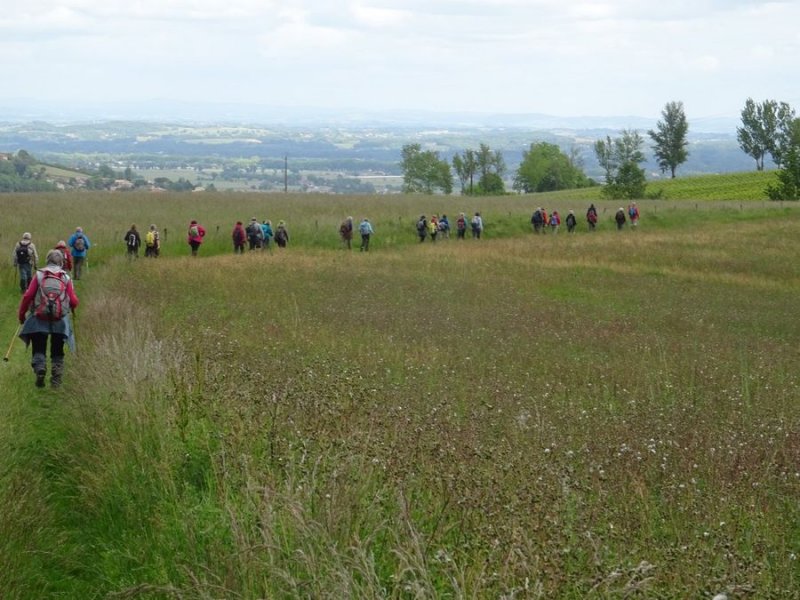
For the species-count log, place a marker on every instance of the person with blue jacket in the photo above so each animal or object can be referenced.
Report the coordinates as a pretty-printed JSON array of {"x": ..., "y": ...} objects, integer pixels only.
[
  {"x": 79, "y": 245},
  {"x": 365, "y": 229},
  {"x": 266, "y": 227}
]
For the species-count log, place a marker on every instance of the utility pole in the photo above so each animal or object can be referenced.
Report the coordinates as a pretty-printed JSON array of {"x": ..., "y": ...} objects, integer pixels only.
[{"x": 285, "y": 173}]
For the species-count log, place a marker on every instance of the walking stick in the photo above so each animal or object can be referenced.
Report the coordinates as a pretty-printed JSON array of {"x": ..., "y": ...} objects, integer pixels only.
[{"x": 11, "y": 345}]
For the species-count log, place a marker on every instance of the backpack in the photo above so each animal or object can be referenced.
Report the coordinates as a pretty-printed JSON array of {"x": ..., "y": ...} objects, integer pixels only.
[
  {"x": 194, "y": 231},
  {"x": 23, "y": 254},
  {"x": 80, "y": 244},
  {"x": 632, "y": 212},
  {"x": 461, "y": 223},
  {"x": 421, "y": 225},
  {"x": 132, "y": 240},
  {"x": 150, "y": 239},
  {"x": 51, "y": 296},
  {"x": 592, "y": 217},
  {"x": 254, "y": 231}
]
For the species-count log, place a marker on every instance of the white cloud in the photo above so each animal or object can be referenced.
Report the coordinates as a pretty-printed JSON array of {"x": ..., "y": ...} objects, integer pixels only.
[
  {"x": 552, "y": 56},
  {"x": 379, "y": 17},
  {"x": 705, "y": 63}
]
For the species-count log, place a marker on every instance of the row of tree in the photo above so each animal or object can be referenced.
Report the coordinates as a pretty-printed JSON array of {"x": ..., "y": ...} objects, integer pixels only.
[{"x": 769, "y": 127}]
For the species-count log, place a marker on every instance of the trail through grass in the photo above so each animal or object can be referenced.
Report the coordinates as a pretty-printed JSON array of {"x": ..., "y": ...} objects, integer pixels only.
[{"x": 609, "y": 415}]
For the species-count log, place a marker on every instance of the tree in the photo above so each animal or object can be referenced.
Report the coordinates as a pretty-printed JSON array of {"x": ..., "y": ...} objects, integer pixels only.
[
  {"x": 670, "y": 138},
  {"x": 620, "y": 159},
  {"x": 424, "y": 172},
  {"x": 489, "y": 165},
  {"x": 545, "y": 168},
  {"x": 765, "y": 128},
  {"x": 788, "y": 186},
  {"x": 466, "y": 166},
  {"x": 784, "y": 137},
  {"x": 492, "y": 167}
]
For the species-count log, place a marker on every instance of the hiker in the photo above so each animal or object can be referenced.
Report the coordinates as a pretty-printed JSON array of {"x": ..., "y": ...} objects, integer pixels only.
[
  {"x": 62, "y": 246},
  {"x": 346, "y": 232},
  {"x": 195, "y": 236},
  {"x": 51, "y": 298},
  {"x": 281, "y": 234},
  {"x": 571, "y": 222},
  {"x": 555, "y": 221},
  {"x": 266, "y": 228},
  {"x": 461, "y": 226},
  {"x": 25, "y": 259},
  {"x": 422, "y": 228},
  {"x": 433, "y": 227},
  {"x": 444, "y": 227},
  {"x": 591, "y": 217},
  {"x": 239, "y": 238},
  {"x": 255, "y": 235},
  {"x": 152, "y": 243},
  {"x": 477, "y": 226},
  {"x": 633, "y": 214},
  {"x": 537, "y": 221},
  {"x": 365, "y": 229},
  {"x": 79, "y": 245},
  {"x": 620, "y": 218},
  {"x": 132, "y": 241}
]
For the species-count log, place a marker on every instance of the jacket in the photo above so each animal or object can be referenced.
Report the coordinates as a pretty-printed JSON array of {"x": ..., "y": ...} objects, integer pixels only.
[
  {"x": 67, "y": 257},
  {"x": 33, "y": 255},
  {"x": 132, "y": 236},
  {"x": 239, "y": 236},
  {"x": 33, "y": 324},
  {"x": 197, "y": 239},
  {"x": 71, "y": 243}
]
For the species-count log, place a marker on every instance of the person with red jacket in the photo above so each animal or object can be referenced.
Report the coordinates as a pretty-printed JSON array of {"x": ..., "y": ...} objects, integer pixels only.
[
  {"x": 195, "y": 237},
  {"x": 555, "y": 221},
  {"x": 62, "y": 246},
  {"x": 51, "y": 298},
  {"x": 239, "y": 236},
  {"x": 633, "y": 214}
]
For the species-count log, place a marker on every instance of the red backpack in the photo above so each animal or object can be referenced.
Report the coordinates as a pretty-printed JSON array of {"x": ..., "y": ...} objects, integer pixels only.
[{"x": 51, "y": 298}]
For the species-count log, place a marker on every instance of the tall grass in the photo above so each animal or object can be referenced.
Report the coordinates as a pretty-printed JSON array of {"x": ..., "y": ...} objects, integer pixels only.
[{"x": 608, "y": 415}]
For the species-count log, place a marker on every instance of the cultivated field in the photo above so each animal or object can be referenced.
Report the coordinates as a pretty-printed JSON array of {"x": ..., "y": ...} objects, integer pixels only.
[{"x": 607, "y": 415}]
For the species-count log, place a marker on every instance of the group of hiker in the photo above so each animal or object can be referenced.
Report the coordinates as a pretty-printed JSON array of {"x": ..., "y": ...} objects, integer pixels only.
[
  {"x": 152, "y": 242},
  {"x": 541, "y": 221},
  {"x": 48, "y": 300},
  {"x": 437, "y": 226},
  {"x": 364, "y": 229},
  {"x": 25, "y": 257},
  {"x": 257, "y": 236}
]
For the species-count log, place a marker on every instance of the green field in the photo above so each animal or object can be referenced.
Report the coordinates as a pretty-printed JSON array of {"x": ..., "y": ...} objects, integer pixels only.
[
  {"x": 599, "y": 415},
  {"x": 740, "y": 187}
]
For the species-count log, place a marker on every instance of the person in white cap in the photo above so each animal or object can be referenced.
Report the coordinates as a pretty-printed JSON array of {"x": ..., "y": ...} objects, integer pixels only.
[{"x": 25, "y": 260}]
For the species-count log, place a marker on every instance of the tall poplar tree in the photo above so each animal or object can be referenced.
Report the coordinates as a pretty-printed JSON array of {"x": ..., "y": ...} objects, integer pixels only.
[{"x": 670, "y": 138}]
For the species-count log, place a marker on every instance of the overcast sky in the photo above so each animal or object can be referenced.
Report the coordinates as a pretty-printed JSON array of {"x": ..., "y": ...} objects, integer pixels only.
[{"x": 558, "y": 57}]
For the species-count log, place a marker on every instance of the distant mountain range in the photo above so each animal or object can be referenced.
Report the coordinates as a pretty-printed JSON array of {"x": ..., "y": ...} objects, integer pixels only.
[
  {"x": 348, "y": 141},
  {"x": 22, "y": 110}
]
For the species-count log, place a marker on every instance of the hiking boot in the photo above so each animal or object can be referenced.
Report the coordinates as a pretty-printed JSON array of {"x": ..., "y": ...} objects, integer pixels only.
[
  {"x": 56, "y": 371},
  {"x": 39, "y": 364}
]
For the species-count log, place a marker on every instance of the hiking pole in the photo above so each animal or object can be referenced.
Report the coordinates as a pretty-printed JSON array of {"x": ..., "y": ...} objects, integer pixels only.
[{"x": 11, "y": 345}]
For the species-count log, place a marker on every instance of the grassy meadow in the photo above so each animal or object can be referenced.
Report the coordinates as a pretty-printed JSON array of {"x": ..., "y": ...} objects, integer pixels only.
[{"x": 604, "y": 415}]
